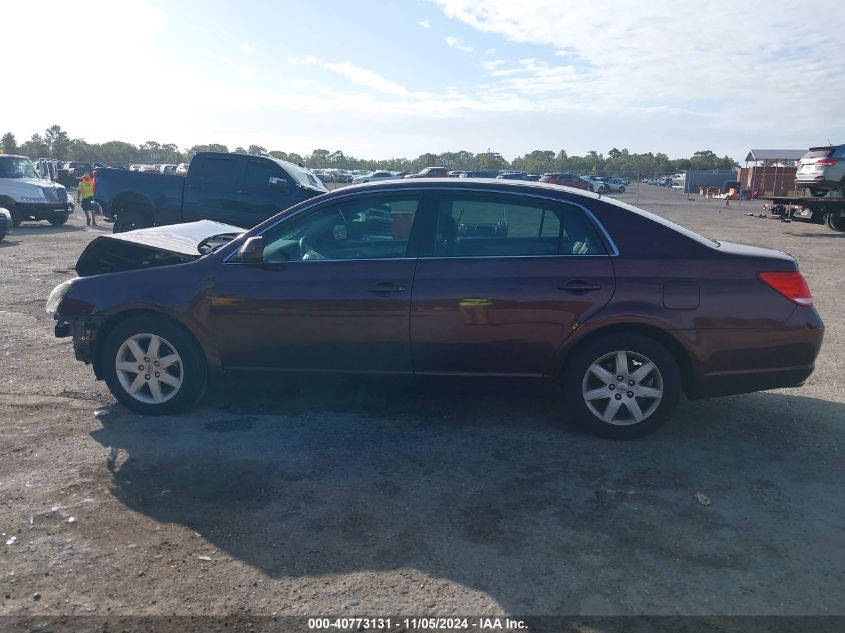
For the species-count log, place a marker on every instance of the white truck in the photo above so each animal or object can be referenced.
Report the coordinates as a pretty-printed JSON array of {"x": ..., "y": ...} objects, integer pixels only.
[{"x": 27, "y": 196}]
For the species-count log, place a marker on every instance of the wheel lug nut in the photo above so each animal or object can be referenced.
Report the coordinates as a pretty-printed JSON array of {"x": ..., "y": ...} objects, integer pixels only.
[
  {"x": 620, "y": 378},
  {"x": 146, "y": 359},
  {"x": 146, "y": 376},
  {"x": 157, "y": 374},
  {"x": 140, "y": 368},
  {"x": 630, "y": 394},
  {"x": 156, "y": 364},
  {"x": 630, "y": 382},
  {"x": 611, "y": 387},
  {"x": 618, "y": 396}
]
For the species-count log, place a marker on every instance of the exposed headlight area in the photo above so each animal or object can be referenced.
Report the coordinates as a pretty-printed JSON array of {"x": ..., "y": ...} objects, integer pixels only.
[{"x": 57, "y": 295}]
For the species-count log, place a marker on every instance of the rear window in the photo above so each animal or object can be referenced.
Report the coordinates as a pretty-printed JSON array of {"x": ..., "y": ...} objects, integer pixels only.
[{"x": 819, "y": 152}]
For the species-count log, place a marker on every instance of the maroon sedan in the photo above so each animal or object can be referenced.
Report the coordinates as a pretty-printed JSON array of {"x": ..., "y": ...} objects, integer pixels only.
[
  {"x": 445, "y": 277},
  {"x": 565, "y": 180}
]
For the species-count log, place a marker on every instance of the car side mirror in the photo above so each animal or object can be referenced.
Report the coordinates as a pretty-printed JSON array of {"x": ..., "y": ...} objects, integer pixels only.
[
  {"x": 280, "y": 184},
  {"x": 252, "y": 251}
]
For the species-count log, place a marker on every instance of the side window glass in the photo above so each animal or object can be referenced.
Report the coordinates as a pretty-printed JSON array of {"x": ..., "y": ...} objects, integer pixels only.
[
  {"x": 220, "y": 171},
  {"x": 258, "y": 174},
  {"x": 377, "y": 227},
  {"x": 490, "y": 227}
]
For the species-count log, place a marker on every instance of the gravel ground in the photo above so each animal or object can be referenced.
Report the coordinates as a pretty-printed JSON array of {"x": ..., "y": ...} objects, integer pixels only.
[{"x": 374, "y": 497}]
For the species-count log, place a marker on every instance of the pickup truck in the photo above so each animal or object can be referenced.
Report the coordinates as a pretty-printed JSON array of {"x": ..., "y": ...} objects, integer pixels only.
[
  {"x": 430, "y": 172},
  {"x": 237, "y": 189}
]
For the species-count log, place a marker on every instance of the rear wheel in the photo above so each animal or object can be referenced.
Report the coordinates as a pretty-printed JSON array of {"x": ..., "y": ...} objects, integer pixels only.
[
  {"x": 153, "y": 366},
  {"x": 835, "y": 222},
  {"x": 131, "y": 219},
  {"x": 622, "y": 189},
  {"x": 622, "y": 386},
  {"x": 817, "y": 193}
]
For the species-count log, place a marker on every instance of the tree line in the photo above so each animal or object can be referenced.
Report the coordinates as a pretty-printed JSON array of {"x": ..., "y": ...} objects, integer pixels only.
[{"x": 56, "y": 143}]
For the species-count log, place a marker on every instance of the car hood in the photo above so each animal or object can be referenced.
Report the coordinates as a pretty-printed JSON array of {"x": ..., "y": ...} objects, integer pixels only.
[{"x": 150, "y": 248}]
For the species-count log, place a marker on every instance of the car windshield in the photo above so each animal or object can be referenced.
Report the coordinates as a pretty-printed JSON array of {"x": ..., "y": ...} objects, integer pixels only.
[
  {"x": 302, "y": 176},
  {"x": 17, "y": 168}
]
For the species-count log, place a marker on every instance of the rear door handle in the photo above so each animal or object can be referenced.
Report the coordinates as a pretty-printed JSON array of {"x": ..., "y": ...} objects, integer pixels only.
[
  {"x": 578, "y": 286},
  {"x": 384, "y": 288}
]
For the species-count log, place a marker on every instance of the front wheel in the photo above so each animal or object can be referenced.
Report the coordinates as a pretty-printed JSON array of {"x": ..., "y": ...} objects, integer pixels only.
[
  {"x": 17, "y": 218},
  {"x": 818, "y": 193},
  {"x": 58, "y": 220},
  {"x": 152, "y": 366},
  {"x": 622, "y": 386},
  {"x": 621, "y": 189}
]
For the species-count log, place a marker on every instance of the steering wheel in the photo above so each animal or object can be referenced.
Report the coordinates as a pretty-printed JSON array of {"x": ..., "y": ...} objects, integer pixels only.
[{"x": 306, "y": 251}]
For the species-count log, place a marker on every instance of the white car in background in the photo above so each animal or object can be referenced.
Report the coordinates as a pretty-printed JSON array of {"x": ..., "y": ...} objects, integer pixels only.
[
  {"x": 375, "y": 177},
  {"x": 595, "y": 184},
  {"x": 181, "y": 169},
  {"x": 168, "y": 169}
]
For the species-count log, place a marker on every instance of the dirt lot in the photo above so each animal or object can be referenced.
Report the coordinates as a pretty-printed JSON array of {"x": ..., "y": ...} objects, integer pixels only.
[{"x": 346, "y": 497}]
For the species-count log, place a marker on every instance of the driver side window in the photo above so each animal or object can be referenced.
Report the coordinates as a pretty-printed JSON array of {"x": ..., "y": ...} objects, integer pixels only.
[{"x": 377, "y": 227}]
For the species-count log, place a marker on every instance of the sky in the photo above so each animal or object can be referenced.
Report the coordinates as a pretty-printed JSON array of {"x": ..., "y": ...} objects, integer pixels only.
[{"x": 393, "y": 78}]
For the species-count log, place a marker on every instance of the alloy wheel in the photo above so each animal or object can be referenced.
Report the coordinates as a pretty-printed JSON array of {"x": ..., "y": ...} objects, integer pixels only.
[
  {"x": 149, "y": 368},
  {"x": 622, "y": 388}
]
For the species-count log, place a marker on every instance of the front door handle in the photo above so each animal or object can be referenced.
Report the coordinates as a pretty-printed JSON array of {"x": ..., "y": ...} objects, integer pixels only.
[
  {"x": 385, "y": 288},
  {"x": 578, "y": 286}
]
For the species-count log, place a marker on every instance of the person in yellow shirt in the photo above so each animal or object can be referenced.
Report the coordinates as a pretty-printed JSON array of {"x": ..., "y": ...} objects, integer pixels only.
[{"x": 85, "y": 195}]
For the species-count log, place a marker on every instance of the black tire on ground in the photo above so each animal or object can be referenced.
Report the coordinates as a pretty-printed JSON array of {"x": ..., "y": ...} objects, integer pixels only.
[
  {"x": 833, "y": 222},
  {"x": 2, "y": 234},
  {"x": 191, "y": 368},
  {"x": 818, "y": 193},
  {"x": 622, "y": 189},
  {"x": 58, "y": 220},
  {"x": 578, "y": 379},
  {"x": 131, "y": 219},
  {"x": 16, "y": 215}
]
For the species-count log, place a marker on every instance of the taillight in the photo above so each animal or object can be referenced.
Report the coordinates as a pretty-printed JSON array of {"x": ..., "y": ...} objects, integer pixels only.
[
  {"x": 826, "y": 161},
  {"x": 792, "y": 285}
]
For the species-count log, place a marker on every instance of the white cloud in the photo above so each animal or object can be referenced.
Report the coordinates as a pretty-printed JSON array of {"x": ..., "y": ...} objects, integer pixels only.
[
  {"x": 459, "y": 44},
  {"x": 368, "y": 78},
  {"x": 426, "y": 24},
  {"x": 246, "y": 48},
  {"x": 727, "y": 61}
]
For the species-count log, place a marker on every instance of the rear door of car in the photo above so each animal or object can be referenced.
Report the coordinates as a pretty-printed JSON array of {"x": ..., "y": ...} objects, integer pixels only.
[
  {"x": 333, "y": 292},
  {"x": 502, "y": 282}
]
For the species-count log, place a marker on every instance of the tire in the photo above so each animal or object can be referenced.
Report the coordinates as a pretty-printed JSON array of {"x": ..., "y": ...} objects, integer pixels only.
[
  {"x": 186, "y": 374},
  {"x": 834, "y": 223},
  {"x": 16, "y": 215},
  {"x": 58, "y": 221},
  {"x": 131, "y": 219},
  {"x": 592, "y": 369},
  {"x": 818, "y": 193},
  {"x": 622, "y": 189}
]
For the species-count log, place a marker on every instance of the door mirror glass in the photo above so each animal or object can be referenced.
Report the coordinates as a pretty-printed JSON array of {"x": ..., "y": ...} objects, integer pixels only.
[
  {"x": 252, "y": 251},
  {"x": 280, "y": 184}
]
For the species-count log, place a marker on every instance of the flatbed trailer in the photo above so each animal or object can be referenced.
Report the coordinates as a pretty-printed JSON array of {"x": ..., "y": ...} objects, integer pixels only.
[{"x": 829, "y": 210}]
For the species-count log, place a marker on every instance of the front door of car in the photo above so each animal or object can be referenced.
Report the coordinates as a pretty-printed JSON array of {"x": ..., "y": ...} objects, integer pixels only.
[
  {"x": 211, "y": 190},
  {"x": 266, "y": 189},
  {"x": 333, "y": 292},
  {"x": 503, "y": 282}
]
